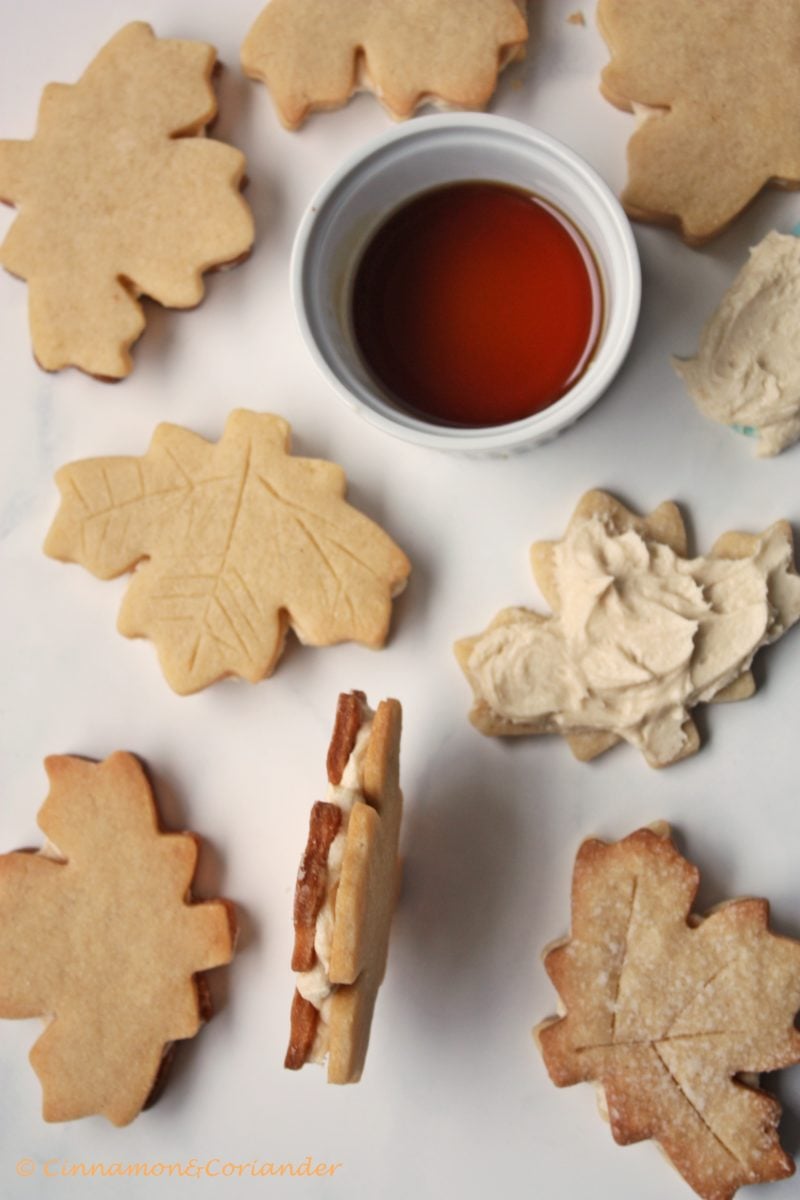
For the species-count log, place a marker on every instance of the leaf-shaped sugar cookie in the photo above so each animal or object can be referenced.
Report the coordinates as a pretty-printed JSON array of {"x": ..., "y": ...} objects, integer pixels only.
[
  {"x": 313, "y": 54},
  {"x": 235, "y": 542},
  {"x": 640, "y": 633},
  {"x": 97, "y": 933},
  {"x": 119, "y": 198},
  {"x": 665, "y": 1011},
  {"x": 719, "y": 89}
]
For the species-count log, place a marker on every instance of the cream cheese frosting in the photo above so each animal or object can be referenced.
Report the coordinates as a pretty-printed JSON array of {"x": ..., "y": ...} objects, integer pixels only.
[
  {"x": 315, "y": 985},
  {"x": 746, "y": 371},
  {"x": 641, "y": 635}
]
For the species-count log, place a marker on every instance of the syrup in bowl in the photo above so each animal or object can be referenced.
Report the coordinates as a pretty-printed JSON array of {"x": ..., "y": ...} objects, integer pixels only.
[{"x": 476, "y": 304}]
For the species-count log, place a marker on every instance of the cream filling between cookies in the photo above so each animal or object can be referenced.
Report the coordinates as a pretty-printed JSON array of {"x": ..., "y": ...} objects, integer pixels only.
[
  {"x": 364, "y": 81},
  {"x": 641, "y": 635},
  {"x": 315, "y": 985},
  {"x": 747, "y": 369}
]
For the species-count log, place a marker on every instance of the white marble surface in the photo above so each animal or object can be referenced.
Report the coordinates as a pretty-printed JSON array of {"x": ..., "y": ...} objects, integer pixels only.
[{"x": 455, "y": 1100}]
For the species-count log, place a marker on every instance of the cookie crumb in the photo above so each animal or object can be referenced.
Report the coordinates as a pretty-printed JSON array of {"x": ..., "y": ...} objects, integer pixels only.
[{"x": 576, "y": 18}]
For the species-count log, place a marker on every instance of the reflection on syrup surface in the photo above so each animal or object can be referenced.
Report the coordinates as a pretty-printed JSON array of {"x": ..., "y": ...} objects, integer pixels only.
[{"x": 476, "y": 304}]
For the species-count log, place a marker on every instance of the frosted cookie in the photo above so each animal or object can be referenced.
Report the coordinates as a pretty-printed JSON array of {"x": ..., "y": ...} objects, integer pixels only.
[
  {"x": 639, "y": 635},
  {"x": 232, "y": 543},
  {"x": 666, "y": 1011},
  {"x": 121, "y": 195},
  {"x": 346, "y": 890},
  {"x": 746, "y": 372},
  {"x": 98, "y": 934},
  {"x": 313, "y": 54},
  {"x": 715, "y": 87}
]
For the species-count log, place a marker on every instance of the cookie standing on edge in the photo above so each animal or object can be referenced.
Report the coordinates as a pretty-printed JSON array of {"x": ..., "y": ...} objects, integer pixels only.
[
  {"x": 665, "y": 1011},
  {"x": 98, "y": 933},
  {"x": 346, "y": 890},
  {"x": 314, "y": 54},
  {"x": 121, "y": 194},
  {"x": 232, "y": 543}
]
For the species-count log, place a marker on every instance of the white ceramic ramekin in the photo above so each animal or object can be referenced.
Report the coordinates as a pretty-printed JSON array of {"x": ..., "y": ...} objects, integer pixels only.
[{"x": 430, "y": 152}]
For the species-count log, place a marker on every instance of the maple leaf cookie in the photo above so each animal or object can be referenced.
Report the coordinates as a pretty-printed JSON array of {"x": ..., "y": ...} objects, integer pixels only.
[
  {"x": 346, "y": 890},
  {"x": 639, "y": 635},
  {"x": 121, "y": 195},
  {"x": 313, "y": 54},
  {"x": 232, "y": 544},
  {"x": 716, "y": 89},
  {"x": 99, "y": 935},
  {"x": 666, "y": 1011}
]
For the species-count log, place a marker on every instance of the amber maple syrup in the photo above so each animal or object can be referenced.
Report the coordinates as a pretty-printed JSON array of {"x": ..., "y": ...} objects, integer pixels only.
[{"x": 476, "y": 304}]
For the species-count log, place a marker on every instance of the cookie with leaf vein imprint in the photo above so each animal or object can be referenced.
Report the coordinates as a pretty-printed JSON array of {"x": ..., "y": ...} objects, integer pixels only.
[
  {"x": 232, "y": 543},
  {"x": 98, "y": 934},
  {"x": 672, "y": 1014},
  {"x": 314, "y": 54},
  {"x": 121, "y": 195},
  {"x": 640, "y": 633}
]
